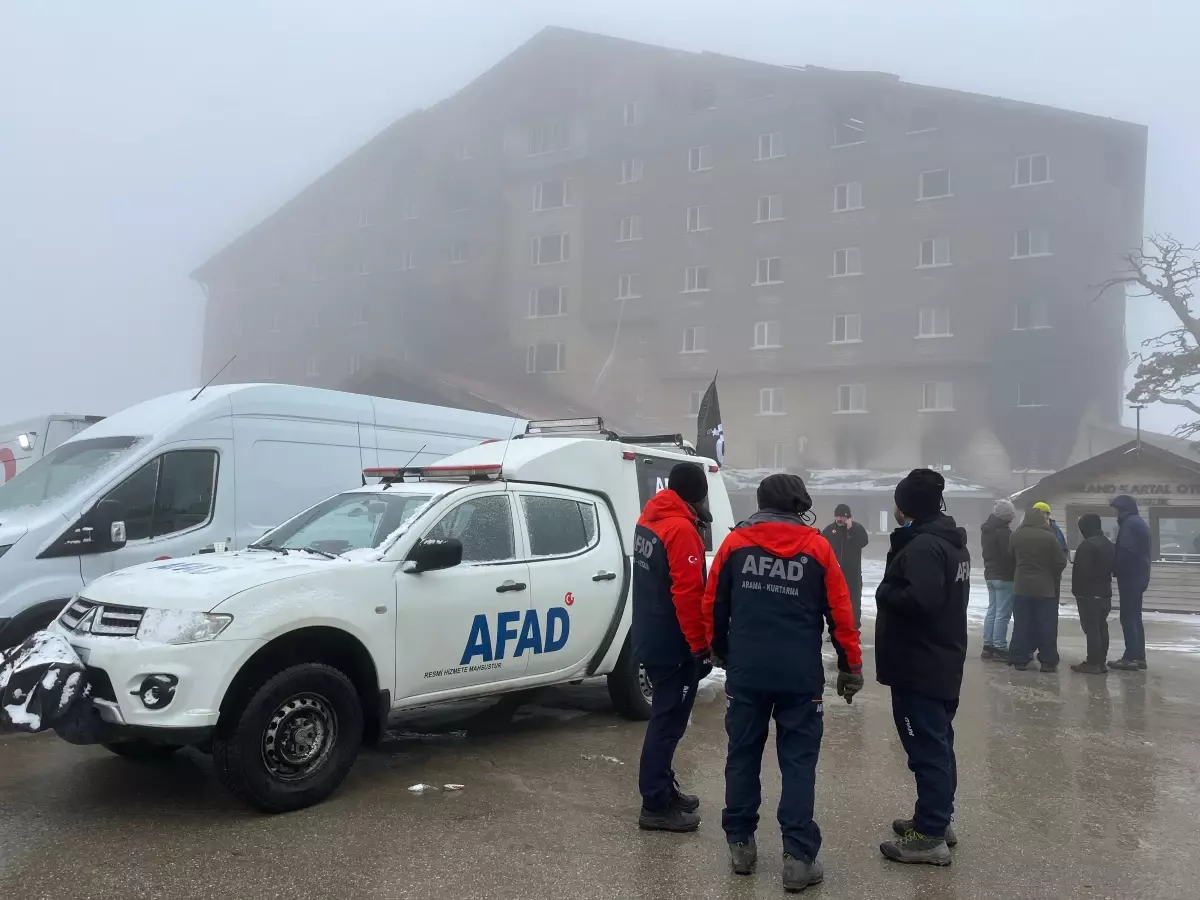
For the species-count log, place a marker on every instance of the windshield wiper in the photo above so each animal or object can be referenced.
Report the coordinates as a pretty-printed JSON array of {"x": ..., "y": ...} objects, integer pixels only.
[
  {"x": 324, "y": 553},
  {"x": 257, "y": 546}
]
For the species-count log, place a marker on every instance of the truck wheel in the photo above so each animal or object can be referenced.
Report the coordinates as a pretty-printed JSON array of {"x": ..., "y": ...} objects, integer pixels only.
[
  {"x": 291, "y": 742},
  {"x": 629, "y": 687},
  {"x": 143, "y": 750}
]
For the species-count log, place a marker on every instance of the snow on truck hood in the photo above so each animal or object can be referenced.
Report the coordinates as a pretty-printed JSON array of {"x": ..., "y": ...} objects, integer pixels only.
[{"x": 199, "y": 583}]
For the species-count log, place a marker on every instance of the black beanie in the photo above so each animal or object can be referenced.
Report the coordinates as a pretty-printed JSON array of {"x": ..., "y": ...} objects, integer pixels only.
[
  {"x": 841, "y": 510},
  {"x": 919, "y": 494},
  {"x": 1089, "y": 524},
  {"x": 783, "y": 492},
  {"x": 689, "y": 481}
]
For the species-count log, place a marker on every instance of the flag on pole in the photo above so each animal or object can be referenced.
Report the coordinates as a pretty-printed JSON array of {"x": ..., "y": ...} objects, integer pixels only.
[{"x": 710, "y": 432}]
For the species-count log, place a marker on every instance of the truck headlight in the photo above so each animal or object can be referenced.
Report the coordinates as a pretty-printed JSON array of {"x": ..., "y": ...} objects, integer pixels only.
[{"x": 171, "y": 626}]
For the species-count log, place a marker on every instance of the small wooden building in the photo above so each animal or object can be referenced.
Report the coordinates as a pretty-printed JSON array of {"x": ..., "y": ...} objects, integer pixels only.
[{"x": 1167, "y": 489}]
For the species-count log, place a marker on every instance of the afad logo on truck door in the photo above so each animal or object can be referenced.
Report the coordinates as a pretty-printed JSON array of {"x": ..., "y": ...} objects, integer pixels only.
[{"x": 483, "y": 652}]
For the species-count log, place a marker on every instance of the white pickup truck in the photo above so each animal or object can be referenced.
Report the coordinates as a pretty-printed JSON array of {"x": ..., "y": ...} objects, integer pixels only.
[{"x": 502, "y": 568}]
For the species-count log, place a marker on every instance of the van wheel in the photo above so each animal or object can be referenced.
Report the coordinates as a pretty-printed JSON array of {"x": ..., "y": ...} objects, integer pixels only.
[
  {"x": 143, "y": 750},
  {"x": 629, "y": 687},
  {"x": 291, "y": 742}
]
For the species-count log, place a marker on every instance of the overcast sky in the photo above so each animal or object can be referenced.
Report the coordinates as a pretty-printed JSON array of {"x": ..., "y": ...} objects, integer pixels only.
[{"x": 136, "y": 138}]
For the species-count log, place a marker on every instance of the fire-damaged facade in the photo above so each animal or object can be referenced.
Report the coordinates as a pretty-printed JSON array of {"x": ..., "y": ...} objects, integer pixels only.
[{"x": 884, "y": 274}]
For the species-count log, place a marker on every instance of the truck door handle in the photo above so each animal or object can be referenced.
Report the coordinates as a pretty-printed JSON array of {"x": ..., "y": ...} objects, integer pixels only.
[
  {"x": 511, "y": 587},
  {"x": 605, "y": 576}
]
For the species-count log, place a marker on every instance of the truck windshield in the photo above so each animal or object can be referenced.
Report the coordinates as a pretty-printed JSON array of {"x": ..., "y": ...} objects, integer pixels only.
[
  {"x": 63, "y": 469},
  {"x": 346, "y": 522}
]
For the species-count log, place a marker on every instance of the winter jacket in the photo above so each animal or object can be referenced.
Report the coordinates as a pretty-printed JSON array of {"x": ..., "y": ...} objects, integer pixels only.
[
  {"x": 1092, "y": 571},
  {"x": 1060, "y": 537},
  {"x": 668, "y": 583},
  {"x": 775, "y": 584},
  {"x": 997, "y": 564},
  {"x": 848, "y": 546},
  {"x": 921, "y": 627},
  {"x": 1037, "y": 558},
  {"x": 1132, "y": 562}
]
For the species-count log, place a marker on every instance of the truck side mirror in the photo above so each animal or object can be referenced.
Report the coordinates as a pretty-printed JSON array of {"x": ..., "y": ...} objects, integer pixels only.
[
  {"x": 108, "y": 532},
  {"x": 432, "y": 554}
]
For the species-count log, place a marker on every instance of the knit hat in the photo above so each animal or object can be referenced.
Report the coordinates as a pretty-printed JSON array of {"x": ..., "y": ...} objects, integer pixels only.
[
  {"x": 1042, "y": 506},
  {"x": 841, "y": 510},
  {"x": 784, "y": 492},
  {"x": 1004, "y": 510},
  {"x": 1090, "y": 524},
  {"x": 689, "y": 481},
  {"x": 919, "y": 494}
]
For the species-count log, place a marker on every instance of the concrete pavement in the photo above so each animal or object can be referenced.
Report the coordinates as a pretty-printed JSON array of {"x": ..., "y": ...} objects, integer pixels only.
[{"x": 1070, "y": 787}]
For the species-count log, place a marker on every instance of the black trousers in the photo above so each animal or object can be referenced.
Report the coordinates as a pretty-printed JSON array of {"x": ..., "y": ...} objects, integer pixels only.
[
  {"x": 1131, "y": 622},
  {"x": 1093, "y": 618},
  {"x": 674, "y": 694},
  {"x": 1035, "y": 627},
  {"x": 799, "y": 724},
  {"x": 926, "y": 728},
  {"x": 854, "y": 582}
]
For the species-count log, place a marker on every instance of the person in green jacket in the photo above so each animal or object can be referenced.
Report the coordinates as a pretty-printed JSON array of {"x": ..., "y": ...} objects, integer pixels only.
[{"x": 1038, "y": 561}]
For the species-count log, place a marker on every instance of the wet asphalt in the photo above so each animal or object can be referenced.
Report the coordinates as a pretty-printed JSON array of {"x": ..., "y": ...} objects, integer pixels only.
[{"x": 1070, "y": 787}]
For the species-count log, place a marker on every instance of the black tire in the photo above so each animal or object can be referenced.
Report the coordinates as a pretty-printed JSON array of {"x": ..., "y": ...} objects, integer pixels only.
[
  {"x": 311, "y": 710},
  {"x": 144, "y": 750},
  {"x": 629, "y": 688}
]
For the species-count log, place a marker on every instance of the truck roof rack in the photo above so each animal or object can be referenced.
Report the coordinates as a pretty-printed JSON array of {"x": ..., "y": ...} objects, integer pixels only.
[{"x": 594, "y": 426}]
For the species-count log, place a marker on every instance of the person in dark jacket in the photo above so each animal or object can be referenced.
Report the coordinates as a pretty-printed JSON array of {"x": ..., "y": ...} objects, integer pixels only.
[
  {"x": 775, "y": 583},
  {"x": 1038, "y": 562},
  {"x": 848, "y": 538},
  {"x": 1091, "y": 583},
  {"x": 998, "y": 573},
  {"x": 670, "y": 638},
  {"x": 1131, "y": 566},
  {"x": 920, "y": 648}
]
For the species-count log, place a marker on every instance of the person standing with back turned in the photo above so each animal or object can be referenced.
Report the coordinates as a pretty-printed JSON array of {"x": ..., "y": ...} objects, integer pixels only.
[
  {"x": 1131, "y": 565},
  {"x": 774, "y": 585},
  {"x": 1038, "y": 563},
  {"x": 670, "y": 638},
  {"x": 998, "y": 573},
  {"x": 847, "y": 538},
  {"x": 920, "y": 648},
  {"x": 1091, "y": 583}
]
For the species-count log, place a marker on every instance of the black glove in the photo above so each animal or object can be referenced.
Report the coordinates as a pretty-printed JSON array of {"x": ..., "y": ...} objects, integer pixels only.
[
  {"x": 849, "y": 684},
  {"x": 704, "y": 661}
]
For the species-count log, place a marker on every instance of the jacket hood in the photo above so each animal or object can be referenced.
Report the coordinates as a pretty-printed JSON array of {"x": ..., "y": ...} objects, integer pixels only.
[
  {"x": 995, "y": 523},
  {"x": 1124, "y": 505},
  {"x": 667, "y": 504},
  {"x": 1039, "y": 521},
  {"x": 771, "y": 515},
  {"x": 780, "y": 534},
  {"x": 944, "y": 527}
]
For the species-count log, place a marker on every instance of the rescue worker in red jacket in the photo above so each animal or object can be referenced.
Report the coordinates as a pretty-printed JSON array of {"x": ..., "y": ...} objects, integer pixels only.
[
  {"x": 670, "y": 638},
  {"x": 775, "y": 583}
]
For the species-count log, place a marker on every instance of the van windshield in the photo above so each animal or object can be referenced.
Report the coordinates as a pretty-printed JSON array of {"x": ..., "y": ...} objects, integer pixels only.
[
  {"x": 63, "y": 469},
  {"x": 346, "y": 522}
]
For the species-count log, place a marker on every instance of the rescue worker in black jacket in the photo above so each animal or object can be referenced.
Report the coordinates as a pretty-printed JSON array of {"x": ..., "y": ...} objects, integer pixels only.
[
  {"x": 920, "y": 648},
  {"x": 847, "y": 538},
  {"x": 774, "y": 585},
  {"x": 670, "y": 638}
]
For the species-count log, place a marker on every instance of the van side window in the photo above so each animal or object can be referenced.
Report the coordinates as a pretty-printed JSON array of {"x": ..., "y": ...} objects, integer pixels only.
[
  {"x": 169, "y": 494},
  {"x": 558, "y": 526},
  {"x": 485, "y": 527}
]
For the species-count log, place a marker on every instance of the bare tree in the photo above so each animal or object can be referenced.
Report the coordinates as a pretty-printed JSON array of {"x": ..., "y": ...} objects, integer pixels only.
[{"x": 1169, "y": 364}]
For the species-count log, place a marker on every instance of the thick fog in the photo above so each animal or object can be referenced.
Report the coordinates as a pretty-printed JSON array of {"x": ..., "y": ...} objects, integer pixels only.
[{"x": 136, "y": 139}]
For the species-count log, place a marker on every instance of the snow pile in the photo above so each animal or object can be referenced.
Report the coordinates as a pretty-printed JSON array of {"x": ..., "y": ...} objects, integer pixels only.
[{"x": 40, "y": 682}]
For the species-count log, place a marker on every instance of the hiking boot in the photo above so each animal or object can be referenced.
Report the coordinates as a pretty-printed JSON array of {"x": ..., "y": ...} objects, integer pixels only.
[
  {"x": 1049, "y": 667},
  {"x": 1019, "y": 666},
  {"x": 799, "y": 873},
  {"x": 743, "y": 856},
  {"x": 917, "y": 849},
  {"x": 998, "y": 655},
  {"x": 680, "y": 800},
  {"x": 1124, "y": 665},
  {"x": 988, "y": 653},
  {"x": 670, "y": 819},
  {"x": 1087, "y": 668},
  {"x": 1141, "y": 664},
  {"x": 904, "y": 826}
]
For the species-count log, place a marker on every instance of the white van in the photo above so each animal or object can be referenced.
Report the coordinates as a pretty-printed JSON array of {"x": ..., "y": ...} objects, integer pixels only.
[
  {"x": 502, "y": 568},
  {"x": 24, "y": 443},
  {"x": 191, "y": 473}
]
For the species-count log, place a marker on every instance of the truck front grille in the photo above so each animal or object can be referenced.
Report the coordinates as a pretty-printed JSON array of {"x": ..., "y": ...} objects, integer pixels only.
[{"x": 86, "y": 617}]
